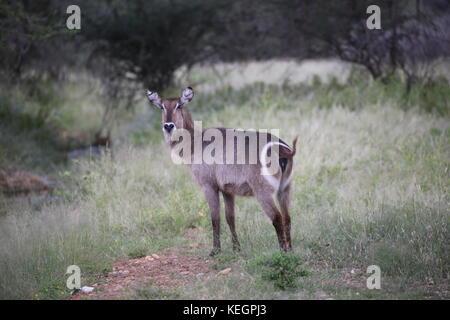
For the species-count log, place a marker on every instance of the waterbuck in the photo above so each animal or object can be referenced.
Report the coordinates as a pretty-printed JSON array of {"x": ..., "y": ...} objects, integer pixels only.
[{"x": 232, "y": 178}]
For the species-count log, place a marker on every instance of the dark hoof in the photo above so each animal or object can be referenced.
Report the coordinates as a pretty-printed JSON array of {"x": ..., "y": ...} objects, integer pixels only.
[
  {"x": 214, "y": 252},
  {"x": 287, "y": 250},
  {"x": 236, "y": 247}
]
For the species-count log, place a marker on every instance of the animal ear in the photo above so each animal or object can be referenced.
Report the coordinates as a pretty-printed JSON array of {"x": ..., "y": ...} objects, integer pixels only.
[
  {"x": 186, "y": 96},
  {"x": 154, "y": 98}
]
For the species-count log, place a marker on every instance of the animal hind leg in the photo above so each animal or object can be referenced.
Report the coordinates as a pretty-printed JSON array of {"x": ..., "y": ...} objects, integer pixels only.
[
  {"x": 284, "y": 200},
  {"x": 268, "y": 205}
]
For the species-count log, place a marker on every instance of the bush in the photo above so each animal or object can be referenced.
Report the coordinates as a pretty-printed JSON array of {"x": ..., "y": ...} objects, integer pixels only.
[{"x": 282, "y": 269}]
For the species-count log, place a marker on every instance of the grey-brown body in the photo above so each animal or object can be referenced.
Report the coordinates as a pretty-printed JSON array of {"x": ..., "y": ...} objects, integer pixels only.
[{"x": 243, "y": 178}]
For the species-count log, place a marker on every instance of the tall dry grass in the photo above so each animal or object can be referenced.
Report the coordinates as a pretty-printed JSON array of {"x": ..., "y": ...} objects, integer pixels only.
[{"x": 371, "y": 186}]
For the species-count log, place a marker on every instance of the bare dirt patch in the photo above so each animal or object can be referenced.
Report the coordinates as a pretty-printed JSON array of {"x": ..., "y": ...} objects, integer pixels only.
[
  {"x": 170, "y": 269},
  {"x": 22, "y": 182}
]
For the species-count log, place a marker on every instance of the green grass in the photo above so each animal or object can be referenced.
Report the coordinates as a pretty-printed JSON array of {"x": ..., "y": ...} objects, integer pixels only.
[
  {"x": 282, "y": 269},
  {"x": 149, "y": 291},
  {"x": 371, "y": 186}
]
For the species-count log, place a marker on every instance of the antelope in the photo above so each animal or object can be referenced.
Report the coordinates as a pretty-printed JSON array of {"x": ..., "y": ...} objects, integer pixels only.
[{"x": 245, "y": 179}]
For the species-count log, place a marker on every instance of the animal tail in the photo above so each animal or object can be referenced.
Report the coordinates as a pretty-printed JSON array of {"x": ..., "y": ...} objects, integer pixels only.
[
  {"x": 285, "y": 161},
  {"x": 294, "y": 147}
]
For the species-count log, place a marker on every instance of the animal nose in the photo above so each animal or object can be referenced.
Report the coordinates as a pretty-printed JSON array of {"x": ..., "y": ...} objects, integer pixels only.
[{"x": 169, "y": 126}]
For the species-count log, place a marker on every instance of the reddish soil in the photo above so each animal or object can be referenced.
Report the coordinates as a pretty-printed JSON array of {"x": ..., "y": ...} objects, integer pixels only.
[
  {"x": 167, "y": 270},
  {"x": 16, "y": 182}
]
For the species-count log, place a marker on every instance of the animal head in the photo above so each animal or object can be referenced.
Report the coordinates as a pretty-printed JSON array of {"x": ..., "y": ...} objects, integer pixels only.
[{"x": 174, "y": 113}]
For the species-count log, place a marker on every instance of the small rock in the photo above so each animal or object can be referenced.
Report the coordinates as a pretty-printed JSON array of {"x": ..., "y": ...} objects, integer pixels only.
[
  {"x": 149, "y": 258},
  {"x": 86, "y": 289},
  {"x": 154, "y": 255},
  {"x": 120, "y": 272},
  {"x": 224, "y": 272}
]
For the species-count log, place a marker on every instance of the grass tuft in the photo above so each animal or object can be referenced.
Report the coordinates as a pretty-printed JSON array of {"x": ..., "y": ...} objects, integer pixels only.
[{"x": 282, "y": 269}]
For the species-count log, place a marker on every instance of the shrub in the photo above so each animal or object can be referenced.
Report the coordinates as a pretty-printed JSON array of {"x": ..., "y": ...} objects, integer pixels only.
[{"x": 282, "y": 269}]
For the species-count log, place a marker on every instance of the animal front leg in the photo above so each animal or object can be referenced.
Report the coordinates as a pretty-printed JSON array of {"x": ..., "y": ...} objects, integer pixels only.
[
  {"x": 229, "y": 214},
  {"x": 212, "y": 196}
]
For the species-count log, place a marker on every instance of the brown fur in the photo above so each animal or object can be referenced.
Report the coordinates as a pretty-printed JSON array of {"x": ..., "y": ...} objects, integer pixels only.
[{"x": 234, "y": 179}]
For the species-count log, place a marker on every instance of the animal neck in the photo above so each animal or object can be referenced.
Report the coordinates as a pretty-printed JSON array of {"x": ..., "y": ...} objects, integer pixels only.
[
  {"x": 188, "y": 125},
  {"x": 187, "y": 121}
]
